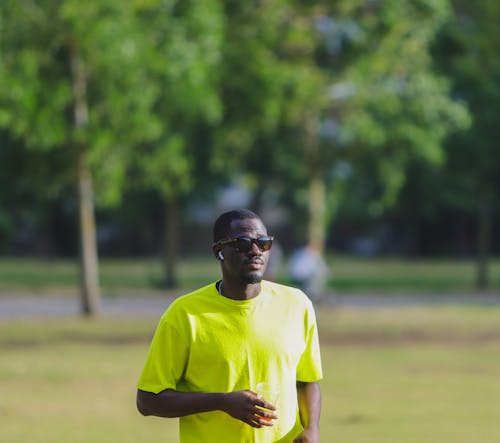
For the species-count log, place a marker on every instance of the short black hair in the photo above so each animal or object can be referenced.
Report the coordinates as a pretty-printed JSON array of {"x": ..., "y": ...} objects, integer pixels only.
[{"x": 222, "y": 226}]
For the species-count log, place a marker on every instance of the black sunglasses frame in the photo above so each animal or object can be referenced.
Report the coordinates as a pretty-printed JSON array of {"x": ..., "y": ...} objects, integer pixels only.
[{"x": 263, "y": 243}]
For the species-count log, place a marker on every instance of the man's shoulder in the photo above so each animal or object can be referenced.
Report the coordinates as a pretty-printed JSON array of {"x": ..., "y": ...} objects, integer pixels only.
[
  {"x": 191, "y": 300},
  {"x": 279, "y": 287},
  {"x": 290, "y": 292}
]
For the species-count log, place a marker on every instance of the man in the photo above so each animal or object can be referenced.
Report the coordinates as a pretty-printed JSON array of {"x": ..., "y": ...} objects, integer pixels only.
[{"x": 213, "y": 346}]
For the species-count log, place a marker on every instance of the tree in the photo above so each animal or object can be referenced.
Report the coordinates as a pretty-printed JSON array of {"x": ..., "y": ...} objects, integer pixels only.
[
  {"x": 270, "y": 86},
  {"x": 467, "y": 52},
  {"x": 183, "y": 58},
  {"x": 388, "y": 105},
  {"x": 72, "y": 79},
  {"x": 332, "y": 90},
  {"x": 32, "y": 182}
]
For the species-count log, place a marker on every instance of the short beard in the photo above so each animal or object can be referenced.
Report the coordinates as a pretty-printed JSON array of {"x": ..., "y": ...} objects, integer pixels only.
[{"x": 252, "y": 279}]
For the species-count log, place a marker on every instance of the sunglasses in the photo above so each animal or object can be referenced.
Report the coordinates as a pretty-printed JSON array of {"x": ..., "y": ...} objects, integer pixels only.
[{"x": 244, "y": 244}]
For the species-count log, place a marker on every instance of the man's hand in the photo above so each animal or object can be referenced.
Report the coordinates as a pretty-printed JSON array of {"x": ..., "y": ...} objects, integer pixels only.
[
  {"x": 310, "y": 435},
  {"x": 247, "y": 406}
]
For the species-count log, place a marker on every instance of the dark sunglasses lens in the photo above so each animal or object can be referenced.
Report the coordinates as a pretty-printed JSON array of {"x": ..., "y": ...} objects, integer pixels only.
[
  {"x": 244, "y": 244},
  {"x": 264, "y": 243}
]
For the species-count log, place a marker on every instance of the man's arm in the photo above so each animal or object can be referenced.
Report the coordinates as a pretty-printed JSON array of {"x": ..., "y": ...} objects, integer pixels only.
[
  {"x": 309, "y": 397},
  {"x": 242, "y": 405}
]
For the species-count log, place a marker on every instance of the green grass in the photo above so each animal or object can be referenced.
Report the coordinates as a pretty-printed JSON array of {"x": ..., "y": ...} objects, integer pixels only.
[
  {"x": 427, "y": 374},
  {"x": 413, "y": 375},
  {"x": 349, "y": 274},
  {"x": 118, "y": 276},
  {"x": 409, "y": 276}
]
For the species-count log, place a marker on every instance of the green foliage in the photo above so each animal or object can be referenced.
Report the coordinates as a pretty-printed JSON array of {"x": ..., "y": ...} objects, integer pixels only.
[
  {"x": 467, "y": 52},
  {"x": 343, "y": 91},
  {"x": 30, "y": 181},
  {"x": 268, "y": 76},
  {"x": 39, "y": 44},
  {"x": 182, "y": 96},
  {"x": 389, "y": 102},
  {"x": 181, "y": 59}
]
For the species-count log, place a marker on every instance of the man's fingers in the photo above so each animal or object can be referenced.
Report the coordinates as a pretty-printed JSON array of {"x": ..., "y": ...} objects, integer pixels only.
[
  {"x": 258, "y": 421},
  {"x": 253, "y": 423},
  {"x": 266, "y": 415},
  {"x": 265, "y": 422},
  {"x": 259, "y": 401},
  {"x": 253, "y": 409}
]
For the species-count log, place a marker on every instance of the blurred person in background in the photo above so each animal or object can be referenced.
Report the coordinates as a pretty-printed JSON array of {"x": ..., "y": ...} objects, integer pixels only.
[
  {"x": 307, "y": 270},
  {"x": 213, "y": 346}
]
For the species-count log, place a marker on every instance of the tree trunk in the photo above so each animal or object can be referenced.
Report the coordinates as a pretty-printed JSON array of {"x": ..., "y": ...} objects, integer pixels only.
[
  {"x": 171, "y": 238},
  {"x": 317, "y": 193},
  {"x": 317, "y": 214},
  {"x": 484, "y": 238},
  {"x": 90, "y": 291}
]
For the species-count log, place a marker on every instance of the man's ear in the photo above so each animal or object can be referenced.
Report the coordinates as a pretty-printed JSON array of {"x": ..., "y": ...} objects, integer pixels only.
[{"x": 218, "y": 253}]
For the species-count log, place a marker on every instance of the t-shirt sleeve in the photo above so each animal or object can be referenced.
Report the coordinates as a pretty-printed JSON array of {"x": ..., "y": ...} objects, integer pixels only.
[
  {"x": 309, "y": 368},
  {"x": 167, "y": 357}
]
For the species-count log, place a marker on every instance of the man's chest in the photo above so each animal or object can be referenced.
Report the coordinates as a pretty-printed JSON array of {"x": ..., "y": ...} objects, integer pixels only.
[{"x": 235, "y": 344}]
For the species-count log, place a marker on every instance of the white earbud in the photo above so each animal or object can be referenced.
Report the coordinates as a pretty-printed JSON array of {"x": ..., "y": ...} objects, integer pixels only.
[{"x": 221, "y": 256}]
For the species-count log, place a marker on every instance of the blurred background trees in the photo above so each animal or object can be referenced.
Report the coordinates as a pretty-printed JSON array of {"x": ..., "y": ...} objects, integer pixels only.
[
  {"x": 362, "y": 127},
  {"x": 73, "y": 81},
  {"x": 467, "y": 52}
]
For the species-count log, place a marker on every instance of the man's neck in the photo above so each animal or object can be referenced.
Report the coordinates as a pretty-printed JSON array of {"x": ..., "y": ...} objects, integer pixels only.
[{"x": 240, "y": 291}]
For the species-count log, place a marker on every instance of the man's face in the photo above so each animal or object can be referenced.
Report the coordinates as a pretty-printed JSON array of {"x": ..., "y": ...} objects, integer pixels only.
[{"x": 248, "y": 266}]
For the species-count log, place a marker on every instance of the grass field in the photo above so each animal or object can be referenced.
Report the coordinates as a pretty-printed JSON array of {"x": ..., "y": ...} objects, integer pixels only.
[
  {"x": 427, "y": 374},
  {"x": 349, "y": 274}
]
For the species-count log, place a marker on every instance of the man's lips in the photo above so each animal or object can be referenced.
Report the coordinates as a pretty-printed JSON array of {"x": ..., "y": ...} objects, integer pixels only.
[{"x": 254, "y": 264}]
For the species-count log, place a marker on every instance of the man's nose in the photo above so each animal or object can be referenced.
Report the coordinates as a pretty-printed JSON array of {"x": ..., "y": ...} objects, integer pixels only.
[{"x": 255, "y": 250}]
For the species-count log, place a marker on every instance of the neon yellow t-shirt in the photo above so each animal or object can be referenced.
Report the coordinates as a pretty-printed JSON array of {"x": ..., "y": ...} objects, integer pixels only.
[{"x": 205, "y": 342}]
